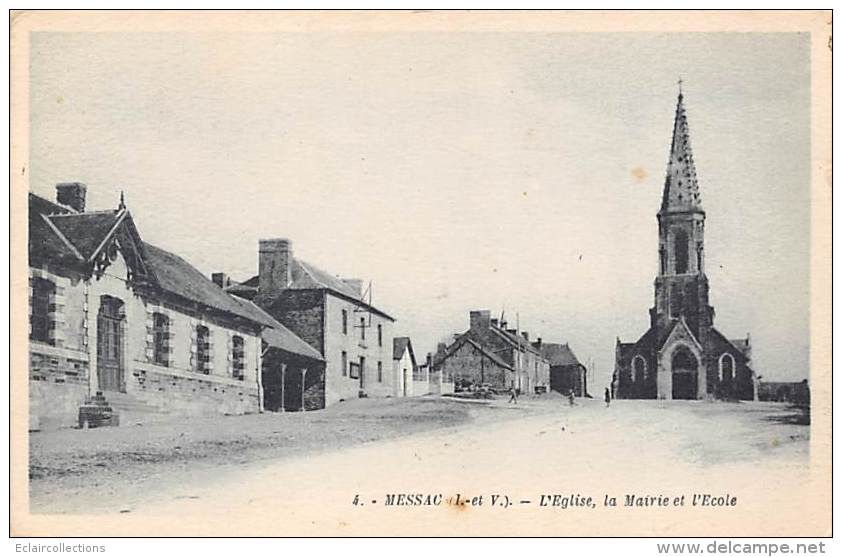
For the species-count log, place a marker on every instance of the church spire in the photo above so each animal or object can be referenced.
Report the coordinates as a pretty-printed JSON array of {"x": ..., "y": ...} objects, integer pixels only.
[{"x": 681, "y": 189}]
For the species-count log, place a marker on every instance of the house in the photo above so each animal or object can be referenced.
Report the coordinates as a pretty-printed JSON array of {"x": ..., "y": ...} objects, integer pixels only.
[
  {"x": 682, "y": 355},
  {"x": 112, "y": 314},
  {"x": 353, "y": 337},
  {"x": 566, "y": 372},
  {"x": 795, "y": 392},
  {"x": 404, "y": 367},
  {"x": 490, "y": 354}
]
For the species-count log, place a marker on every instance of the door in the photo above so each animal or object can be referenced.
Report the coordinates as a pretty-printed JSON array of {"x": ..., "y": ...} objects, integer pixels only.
[
  {"x": 404, "y": 381},
  {"x": 685, "y": 369},
  {"x": 109, "y": 351},
  {"x": 362, "y": 372}
]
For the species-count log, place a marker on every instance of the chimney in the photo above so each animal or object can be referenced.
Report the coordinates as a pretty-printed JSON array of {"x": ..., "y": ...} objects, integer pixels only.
[
  {"x": 429, "y": 360},
  {"x": 441, "y": 348},
  {"x": 512, "y": 332},
  {"x": 275, "y": 265},
  {"x": 525, "y": 335},
  {"x": 355, "y": 284},
  {"x": 503, "y": 324},
  {"x": 71, "y": 194},
  {"x": 221, "y": 280},
  {"x": 538, "y": 342},
  {"x": 495, "y": 321},
  {"x": 480, "y": 319}
]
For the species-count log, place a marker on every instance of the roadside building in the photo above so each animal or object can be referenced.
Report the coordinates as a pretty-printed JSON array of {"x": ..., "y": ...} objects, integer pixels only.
[
  {"x": 331, "y": 315},
  {"x": 404, "y": 367},
  {"x": 795, "y": 392},
  {"x": 112, "y": 314},
  {"x": 566, "y": 372},
  {"x": 490, "y": 354}
]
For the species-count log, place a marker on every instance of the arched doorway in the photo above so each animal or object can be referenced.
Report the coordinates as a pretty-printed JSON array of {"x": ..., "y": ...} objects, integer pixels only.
[{"x": 685, "y": 375}]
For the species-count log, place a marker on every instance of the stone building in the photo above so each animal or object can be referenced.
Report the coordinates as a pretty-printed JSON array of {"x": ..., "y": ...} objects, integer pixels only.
[
  {"x": 331, "y": 315},
  {"x": 111, "y": 313},
  {"x": 566, "y": 372},
  {"x": 682, "y": 355},
  {"x": 490, "y": 354}
]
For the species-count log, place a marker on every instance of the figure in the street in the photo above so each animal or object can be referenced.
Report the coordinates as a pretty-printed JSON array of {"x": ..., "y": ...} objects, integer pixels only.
[
  {"x": 513, "y": 393},
  {"x": 607, "y": 397},
  {"x": 571, "y": 398}
]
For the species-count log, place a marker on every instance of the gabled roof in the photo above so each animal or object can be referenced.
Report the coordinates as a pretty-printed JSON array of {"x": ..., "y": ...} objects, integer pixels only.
[
  {"x": 681, "y": 188},
  {"x": 465, "y": 339},
  {"x": 400, "y": 345},
  {"x": 512, "y": 339},
  {"x": 559, "y": 354},
  {"x": 740, "y": 346},
  {"x": 87, "y": 231},
  {"x": 305, "y": 276},
  {"x": 57, "y": 234}
]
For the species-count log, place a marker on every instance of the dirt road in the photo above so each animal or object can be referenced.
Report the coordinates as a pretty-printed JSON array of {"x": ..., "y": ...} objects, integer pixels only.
[{"x": 651, "y": 451}]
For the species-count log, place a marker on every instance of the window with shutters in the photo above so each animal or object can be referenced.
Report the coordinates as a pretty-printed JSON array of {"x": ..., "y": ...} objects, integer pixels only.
[
  {"x": 344, "y": 321},
  {"x": 238, "y": 357},
  {"x": 41, "y": 324},
  {"x": 379, "y": 335},
  {"x": 202, "y": 364},
  {"x": 161, "y": 339}
]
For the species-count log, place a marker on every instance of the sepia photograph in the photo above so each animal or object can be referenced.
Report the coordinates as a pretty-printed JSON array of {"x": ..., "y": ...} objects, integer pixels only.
[{"x": 428, "y": 274}]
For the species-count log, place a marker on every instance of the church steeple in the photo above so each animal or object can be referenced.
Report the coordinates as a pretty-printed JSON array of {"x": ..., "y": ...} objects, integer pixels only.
[{"x": 681, "y": 189}]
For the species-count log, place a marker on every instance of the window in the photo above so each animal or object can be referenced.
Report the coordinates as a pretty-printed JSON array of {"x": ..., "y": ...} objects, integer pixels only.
[
  {"x": 379, "y": 372},
  {"x": 41, "y": 324},
  {"x": 238, "y": 357},
  {"x": 681, "y": 250},
  {"x": 638, "y": 369},
  {"x": 676, "y": 301},
  {"x": 344, "y": 321},
  {"x": 161, "y": 339},
  {"x": 726, "y": 367},
  {"x": 344, "y": 363},
  {"x": 354, "y": 370},
  {"x": 379, "y": 335},
  {"x": 362, "y": 327},
  {"x": 202, "y": 363}
]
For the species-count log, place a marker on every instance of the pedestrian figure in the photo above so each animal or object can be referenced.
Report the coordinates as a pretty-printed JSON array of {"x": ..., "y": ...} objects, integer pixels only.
[
  {"x": 513, "y": 393},
  {"x": 607, "y": 397},
  {"x": 570, "y": 398}
]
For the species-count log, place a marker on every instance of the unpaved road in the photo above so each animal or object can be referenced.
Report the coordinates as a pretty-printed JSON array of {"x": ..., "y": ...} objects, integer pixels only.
[{"x": 642, "y": 448}]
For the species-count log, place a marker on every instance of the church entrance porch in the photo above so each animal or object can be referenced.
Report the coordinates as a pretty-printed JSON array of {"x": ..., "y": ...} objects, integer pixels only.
[{"x": 685, "y": 375}]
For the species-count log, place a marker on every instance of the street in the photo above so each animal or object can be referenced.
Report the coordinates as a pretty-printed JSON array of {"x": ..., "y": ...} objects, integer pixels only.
[{"x": 538, "y": 462}]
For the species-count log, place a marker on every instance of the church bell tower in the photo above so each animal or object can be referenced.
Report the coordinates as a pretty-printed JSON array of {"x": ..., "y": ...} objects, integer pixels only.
[{"x": 681, "y": 287}]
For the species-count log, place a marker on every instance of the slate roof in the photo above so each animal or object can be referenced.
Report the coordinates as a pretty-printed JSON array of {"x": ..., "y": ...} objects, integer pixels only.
[
  {"x": 439, "y": 358},
  {"x": 305, "y": 276},
  {"x": 681, "y": 187},
  {"x": 87, "y": 231},
  {"x": 399, "y": 347},
  {"x": 559, "y": 354},
  {"x": 57, "y": 234}
]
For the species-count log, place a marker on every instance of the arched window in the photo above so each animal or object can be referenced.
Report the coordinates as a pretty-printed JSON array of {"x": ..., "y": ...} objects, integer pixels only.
[
  {"x": 639, "y": 372},
  {"x": 726, "y": 368},
  {"x": 680, "y": 251}
]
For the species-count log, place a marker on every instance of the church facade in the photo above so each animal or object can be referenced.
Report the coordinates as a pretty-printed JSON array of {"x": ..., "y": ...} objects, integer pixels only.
[{"x": 682, "y": 355}]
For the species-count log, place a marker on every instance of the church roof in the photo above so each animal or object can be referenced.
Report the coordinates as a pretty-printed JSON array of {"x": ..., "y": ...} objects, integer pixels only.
[{"x": 681, "y": 189}]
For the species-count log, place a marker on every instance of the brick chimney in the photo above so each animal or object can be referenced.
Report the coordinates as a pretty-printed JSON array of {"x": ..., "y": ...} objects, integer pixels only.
[
  {"x": 71, "y": 194},
  {"x": 221, "y": 280},
  {"x": 480, "y": 319},
  {"x": 538, "y": 343},
  {"x": 275, "y": 265},
  {"x": 525, "y": 335}
]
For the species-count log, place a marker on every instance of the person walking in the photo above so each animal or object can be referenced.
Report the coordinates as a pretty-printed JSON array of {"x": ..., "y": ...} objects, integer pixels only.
[
  {"x": 513, "y": 393},
  {"x": 607, "y": 397},
  {"x": 571, "y": 398}
]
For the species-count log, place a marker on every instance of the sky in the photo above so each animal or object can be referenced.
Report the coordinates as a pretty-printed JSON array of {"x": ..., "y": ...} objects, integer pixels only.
[{"x": 508, "y": 171}]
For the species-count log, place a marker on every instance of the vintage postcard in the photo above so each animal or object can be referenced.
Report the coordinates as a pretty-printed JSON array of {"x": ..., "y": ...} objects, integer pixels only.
[{"x": 440, "y": 273}]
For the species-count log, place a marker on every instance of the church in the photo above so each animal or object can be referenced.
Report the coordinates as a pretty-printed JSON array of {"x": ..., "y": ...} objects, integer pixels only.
[{"x": 682, "y": 355}]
